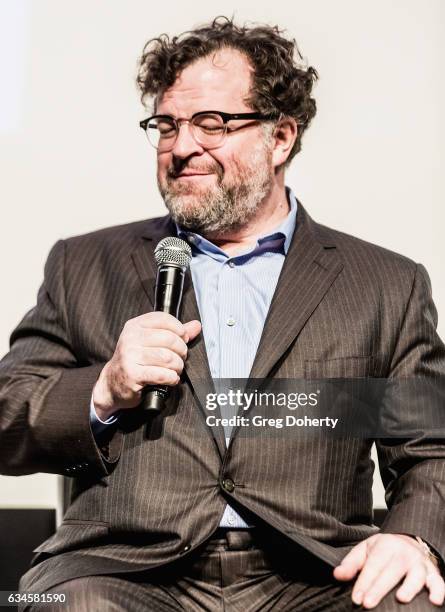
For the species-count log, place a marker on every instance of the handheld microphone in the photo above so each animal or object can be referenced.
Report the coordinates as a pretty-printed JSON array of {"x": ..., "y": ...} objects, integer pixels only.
[{"x": 173, "y": 256}]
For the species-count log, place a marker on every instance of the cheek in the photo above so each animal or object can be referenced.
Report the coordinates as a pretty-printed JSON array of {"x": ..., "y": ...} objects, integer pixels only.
[
  {"x": 225, "y": 160},
  {"x": 233, "y": 166}
]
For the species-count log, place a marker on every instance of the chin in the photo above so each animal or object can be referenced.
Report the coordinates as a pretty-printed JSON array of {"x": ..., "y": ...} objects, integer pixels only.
[
  {"x": 188, "y": 201},
  {"x": 187, "y": 208}
]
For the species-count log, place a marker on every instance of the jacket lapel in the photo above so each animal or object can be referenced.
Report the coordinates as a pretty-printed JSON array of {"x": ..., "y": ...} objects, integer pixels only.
[
  {"x": 310, "y": 267},
  {"x": 196, "y": 366}
]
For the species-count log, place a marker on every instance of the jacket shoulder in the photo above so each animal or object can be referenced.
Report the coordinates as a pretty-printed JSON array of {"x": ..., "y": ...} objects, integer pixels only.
[
  {"x": 119, "y": 234},
  {"x": 363, "y": 253}
]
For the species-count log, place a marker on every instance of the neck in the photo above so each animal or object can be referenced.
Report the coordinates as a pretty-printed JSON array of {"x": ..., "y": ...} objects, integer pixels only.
[{"x": 271, "y": 213}]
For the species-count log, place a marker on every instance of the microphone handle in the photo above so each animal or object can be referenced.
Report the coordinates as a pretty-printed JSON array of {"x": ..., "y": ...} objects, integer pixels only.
[{"x": 168, "y": 296}]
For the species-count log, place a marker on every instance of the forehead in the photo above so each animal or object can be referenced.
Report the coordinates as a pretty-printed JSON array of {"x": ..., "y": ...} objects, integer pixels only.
[{"x": 220, "y": 81}]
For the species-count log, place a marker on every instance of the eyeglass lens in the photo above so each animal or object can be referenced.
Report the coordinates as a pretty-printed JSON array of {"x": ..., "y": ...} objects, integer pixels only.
[{"x": 208, "y": 130}]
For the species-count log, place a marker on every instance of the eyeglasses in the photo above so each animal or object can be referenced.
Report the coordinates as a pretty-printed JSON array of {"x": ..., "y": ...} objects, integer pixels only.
[{"x": 209, "y": 128}]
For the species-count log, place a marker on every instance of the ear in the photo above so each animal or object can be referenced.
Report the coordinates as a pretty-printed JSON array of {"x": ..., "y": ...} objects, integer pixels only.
[{"x": 284, "y": 135}]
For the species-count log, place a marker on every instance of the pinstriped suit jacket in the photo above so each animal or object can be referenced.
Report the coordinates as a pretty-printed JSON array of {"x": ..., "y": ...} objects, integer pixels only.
[{"x": 149, "y": 493}]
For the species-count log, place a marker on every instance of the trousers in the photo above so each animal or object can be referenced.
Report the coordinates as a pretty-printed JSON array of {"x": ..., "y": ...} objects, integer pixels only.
[{"x": 234, "y": 571}]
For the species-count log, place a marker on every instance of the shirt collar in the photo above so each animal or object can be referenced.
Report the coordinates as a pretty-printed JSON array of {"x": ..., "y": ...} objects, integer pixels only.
[{"x": 283, "y": 231}]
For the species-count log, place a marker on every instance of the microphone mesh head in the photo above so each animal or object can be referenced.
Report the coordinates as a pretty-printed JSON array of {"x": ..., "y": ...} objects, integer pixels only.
[{"x": 173, "y": 250}]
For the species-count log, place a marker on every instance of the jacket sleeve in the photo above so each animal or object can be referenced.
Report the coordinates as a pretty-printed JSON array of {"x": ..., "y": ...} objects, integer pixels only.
[
  {"x": 45, "y": 393},
  {"x": 413, "y": 469}
]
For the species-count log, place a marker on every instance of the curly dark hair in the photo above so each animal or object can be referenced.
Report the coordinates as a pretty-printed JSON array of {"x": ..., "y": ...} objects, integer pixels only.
[{"x": 281, "y": 83}]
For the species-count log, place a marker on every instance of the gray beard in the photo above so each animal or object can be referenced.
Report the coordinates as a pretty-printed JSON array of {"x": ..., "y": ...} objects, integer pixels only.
[{"x": 225, "y": 207}]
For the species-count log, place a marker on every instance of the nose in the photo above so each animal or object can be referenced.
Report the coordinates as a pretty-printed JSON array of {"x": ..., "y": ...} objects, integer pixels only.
[{"x": 185, "y": 145}]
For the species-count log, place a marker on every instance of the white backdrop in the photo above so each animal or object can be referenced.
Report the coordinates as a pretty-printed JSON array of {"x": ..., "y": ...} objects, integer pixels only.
[{"x": 73, "y": 158}]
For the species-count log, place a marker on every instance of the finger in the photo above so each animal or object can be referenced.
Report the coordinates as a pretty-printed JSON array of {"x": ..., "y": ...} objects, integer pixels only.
[
  {"x": 163, "y": 338},
  {"x": 436, "y": 586},
  {"x": 155, "y": 375},
  {"x": 192, "y": 328},
  {"x": 352, "y": 562},
  {"x": 414, "y": 582},
  {"x": 389, "y": 577},
  {"x": 377, "y": 561},
  {"x": 160, "y": 356},
  {"x": 161, "y": 320}
]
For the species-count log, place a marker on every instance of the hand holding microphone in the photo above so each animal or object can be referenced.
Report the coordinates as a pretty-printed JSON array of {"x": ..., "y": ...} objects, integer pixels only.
[{"x": 152, "y": 348}]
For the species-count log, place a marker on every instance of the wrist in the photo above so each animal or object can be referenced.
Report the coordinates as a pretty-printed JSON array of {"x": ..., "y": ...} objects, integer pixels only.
[
  {"x": 102, "y": 415},
  {"x": 102, "y": 399},
  {"x": 428, "y": 551}
]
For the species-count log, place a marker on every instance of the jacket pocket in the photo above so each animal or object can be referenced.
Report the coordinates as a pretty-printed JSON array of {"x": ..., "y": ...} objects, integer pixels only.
[
  {"x": 340, "y": 367},
  {"x": 72, "y": 534}
]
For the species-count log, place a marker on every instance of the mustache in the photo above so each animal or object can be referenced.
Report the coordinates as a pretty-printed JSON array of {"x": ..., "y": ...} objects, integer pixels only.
[{"x": 176, "y": 168}]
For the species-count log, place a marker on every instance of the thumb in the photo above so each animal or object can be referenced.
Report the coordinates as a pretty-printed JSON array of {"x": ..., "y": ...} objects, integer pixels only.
[{"x": 192, "y": 329}]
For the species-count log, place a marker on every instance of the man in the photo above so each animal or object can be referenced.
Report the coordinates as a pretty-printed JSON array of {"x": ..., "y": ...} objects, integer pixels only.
[{"x": 167, "y": 514}]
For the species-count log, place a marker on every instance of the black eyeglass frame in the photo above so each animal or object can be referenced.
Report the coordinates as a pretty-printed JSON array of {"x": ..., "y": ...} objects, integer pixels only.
[{"x": 224, "y": 116}]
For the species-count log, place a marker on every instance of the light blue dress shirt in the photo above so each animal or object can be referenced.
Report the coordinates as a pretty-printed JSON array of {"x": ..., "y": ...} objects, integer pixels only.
[{"x": 233, "y": 296}]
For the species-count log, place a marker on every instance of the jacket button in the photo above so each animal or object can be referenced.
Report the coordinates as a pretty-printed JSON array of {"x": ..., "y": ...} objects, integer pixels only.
[{"x": 228, "y": 484}]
